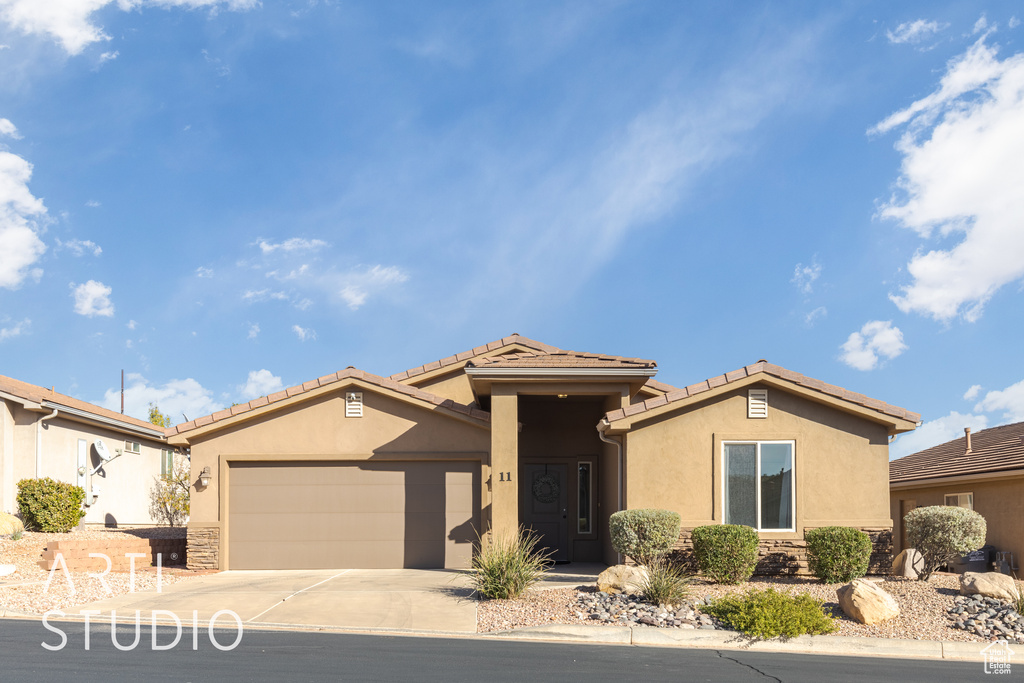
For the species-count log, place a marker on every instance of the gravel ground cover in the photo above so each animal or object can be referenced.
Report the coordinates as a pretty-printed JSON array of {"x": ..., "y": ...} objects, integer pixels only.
[
  {"x": 924, "y": 607},
  {"x": 25, "y": 590}
]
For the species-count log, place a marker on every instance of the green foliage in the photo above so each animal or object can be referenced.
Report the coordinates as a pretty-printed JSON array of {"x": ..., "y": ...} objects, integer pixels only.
[
  {"x": 158, "y": 418},
  {"x": 644, "y": 535},
  {"x": 666, "y": 583},
  {"x": 50, "y": 506},
  {"x": 169, "y": 496},
  {"x": 9, "y": 524},
  {"x": 838, "y": 554},
  {"x": 16, "y": 536},
  {"x": 507, "y": 566},
  {"x": 726, "y": 553},
  {"x": 943, "y": 533},
  {"x": 769, "y": 613}
]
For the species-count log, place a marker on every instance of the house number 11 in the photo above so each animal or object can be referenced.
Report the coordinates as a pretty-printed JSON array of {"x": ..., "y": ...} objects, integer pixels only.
[{"x": 505, "y": 476}]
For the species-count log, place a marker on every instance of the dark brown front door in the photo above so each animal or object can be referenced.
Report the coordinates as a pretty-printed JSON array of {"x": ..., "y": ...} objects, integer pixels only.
[{"x": 544, "y": 506}]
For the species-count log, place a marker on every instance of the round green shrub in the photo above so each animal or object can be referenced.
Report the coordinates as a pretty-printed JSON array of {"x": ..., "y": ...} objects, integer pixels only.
[
  {"x": 726, "y": 553},
  {"x": 49, "y": 505},
  {"x": 645, "y": 535},
  {"x": 838, "y": 553},
  {"x": 769, "y": 613},
  {"x": 943, "y": 533}
]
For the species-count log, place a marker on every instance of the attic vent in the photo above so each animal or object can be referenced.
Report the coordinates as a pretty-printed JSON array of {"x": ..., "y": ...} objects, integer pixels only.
[
  {"x": 757, "y": 403},
  {"x": 354, "y": 404}
]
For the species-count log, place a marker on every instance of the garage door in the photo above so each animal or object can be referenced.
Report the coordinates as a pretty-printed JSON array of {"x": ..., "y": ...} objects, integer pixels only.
[{"x": 324, "y": 515}]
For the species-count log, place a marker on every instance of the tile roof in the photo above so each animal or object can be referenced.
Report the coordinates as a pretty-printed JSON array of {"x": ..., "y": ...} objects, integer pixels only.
[
  {"x": 474, "y": 353},
  {"x": 348, "y": 373},
  {"x": 761, "y": 367},
  {"x": 992, "y": 450},
  {"x": 559, "y": 359},
  {"x": 37, "y": 394},
  {"x": 659, "y": 387}
]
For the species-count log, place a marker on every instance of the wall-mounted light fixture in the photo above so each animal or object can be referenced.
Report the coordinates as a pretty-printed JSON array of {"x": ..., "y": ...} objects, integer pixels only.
[
  {"x": 562, "y": 395},
  {"x": 204, "y": 477}
]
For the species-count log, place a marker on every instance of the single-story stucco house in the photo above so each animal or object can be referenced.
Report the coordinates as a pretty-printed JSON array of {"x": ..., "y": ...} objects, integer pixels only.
[
  {"x": 358, "y": 470},
  {"x": 44, "y": 433},
  {"x": 983, "y": 471}
]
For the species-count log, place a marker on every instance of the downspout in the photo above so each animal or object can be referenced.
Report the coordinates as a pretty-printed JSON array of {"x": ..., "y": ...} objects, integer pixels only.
[
  {"x": 39, "y": 441},
  {"x": 601, "y": 426}
]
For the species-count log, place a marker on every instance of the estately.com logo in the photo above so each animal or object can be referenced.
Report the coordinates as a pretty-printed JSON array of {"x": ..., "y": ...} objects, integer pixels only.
[{"x": 158, "y": 616}]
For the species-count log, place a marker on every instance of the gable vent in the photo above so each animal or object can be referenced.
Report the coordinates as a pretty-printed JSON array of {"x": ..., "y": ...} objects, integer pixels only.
[
  {"x": 354, "y": 404},
  {"x": 757, "y": 403}
]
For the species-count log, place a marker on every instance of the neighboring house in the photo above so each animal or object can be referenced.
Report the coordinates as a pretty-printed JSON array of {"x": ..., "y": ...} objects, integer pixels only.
[
  {"x": 47, "y": 434},
  {"x": 982, "y": 471},
  {"x": 357, "y": 470}
]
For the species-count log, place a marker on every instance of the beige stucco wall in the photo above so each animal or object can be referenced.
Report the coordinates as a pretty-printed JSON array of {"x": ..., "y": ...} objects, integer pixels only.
[
  {"x": 454, "y": 385},
  {"x": 1000, "y": 502},
  {"x": 841, "y": 465}
]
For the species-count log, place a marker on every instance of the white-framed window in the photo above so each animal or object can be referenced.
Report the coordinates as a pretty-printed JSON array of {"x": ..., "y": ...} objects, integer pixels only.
[
  {"x": 166, "y": 463},
  {"x": 132, "y": 447},
  {"x": 759, "y": 490},
  {"x": 960, "y": 500}
]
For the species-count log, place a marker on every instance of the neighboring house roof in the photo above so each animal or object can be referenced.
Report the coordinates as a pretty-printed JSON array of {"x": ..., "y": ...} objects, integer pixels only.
[
  {"x": 513, "y": 339},
  {"x": 992, "y": 450},
  {"x": 559, "y": 359},
  {"x": 50, "y": 399},
  {"x": 388, "y": 385},
  {"x": 655, "y": 387},
  {"x": 760, "y": 368}
]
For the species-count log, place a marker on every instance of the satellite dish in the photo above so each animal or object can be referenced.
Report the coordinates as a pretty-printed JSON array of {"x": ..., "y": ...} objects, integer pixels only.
[{"x": 101, "y": 450}]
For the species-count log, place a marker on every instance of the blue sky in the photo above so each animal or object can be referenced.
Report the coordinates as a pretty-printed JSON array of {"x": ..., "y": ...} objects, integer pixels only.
[{"x": 224, "y": 197}]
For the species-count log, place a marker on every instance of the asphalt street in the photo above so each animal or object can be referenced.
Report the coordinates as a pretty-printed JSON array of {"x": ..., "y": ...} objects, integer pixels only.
[{"x": 263, "y": 655}]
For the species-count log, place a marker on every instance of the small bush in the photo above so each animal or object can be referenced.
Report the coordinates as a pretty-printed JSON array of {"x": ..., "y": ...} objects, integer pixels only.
[
  {"x": 838, "y": 553},
  {"x": 666, "y": 584},
  {"x": 507, "y": 566},
  {"x": 644, "y": 535},
  {"x": 770, "y": 614},
  {"x": 50, "y": 506},
  {"x": 726, "y": 553},
  {"x": 9, "y": 524},
  {"x": 943, "y": 533}
]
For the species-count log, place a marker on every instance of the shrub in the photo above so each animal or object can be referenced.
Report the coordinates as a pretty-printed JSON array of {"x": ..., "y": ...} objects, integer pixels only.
[
  {"x": 507, "y": 566},
  {"x": 838, "y": 553},
  {"x": 49, "y": 505},
  {"x": 666, "y": 583},
  {"x": 9, "y": 524},
  {"x": 943, "y": 533},
  {"x": 769, "y": 614},
  {"x": 169, "y": 495},
  {"x": 726, "y": 553},
  {"x": 644, "y": 535}
]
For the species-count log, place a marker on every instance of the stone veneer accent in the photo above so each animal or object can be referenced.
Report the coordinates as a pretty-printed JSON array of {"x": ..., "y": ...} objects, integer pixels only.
[
  {"x": 788, "y": 557},
  {"x": 75, "y": 553},
  {"x": 203, "y": 548}
]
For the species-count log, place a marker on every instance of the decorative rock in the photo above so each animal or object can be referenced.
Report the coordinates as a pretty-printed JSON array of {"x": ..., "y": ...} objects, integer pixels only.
[
  {"x": 866, "y": 602},
  {"x": 621, "y": 578},
  {"x": 908, "y": 564},
  {"x": 989, "y": 584}
]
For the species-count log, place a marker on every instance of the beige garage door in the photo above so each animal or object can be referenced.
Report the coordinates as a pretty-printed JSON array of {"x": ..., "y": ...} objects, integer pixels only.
[{"x": 324, "y": 515}]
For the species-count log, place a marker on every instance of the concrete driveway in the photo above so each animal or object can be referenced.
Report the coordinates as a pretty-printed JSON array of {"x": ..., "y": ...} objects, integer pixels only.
[{"x": 417, "y": 599}]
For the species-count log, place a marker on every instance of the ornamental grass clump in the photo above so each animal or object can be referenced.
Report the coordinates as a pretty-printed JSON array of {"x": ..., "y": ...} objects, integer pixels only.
[
  {"x": 838, "y": 554},
  {"x": 768, "y": 613},
  {"x": 726, "y": 553},
  {"x": 645, "y": 535},
  {"x": 665, "y": 583},
  {"x": 50, "y": 506},
  {"x": 506, "y": 566},
  {"x": 10, "y": 525},
  {"x": 943, "y": 533}
]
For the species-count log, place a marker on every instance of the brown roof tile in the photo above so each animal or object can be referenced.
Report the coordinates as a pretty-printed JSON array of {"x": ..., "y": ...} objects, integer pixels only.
[
  {"x": 992, "y": 450},
  {"x": 478, "y": 351},
  {"x": 559, "y": 359}
]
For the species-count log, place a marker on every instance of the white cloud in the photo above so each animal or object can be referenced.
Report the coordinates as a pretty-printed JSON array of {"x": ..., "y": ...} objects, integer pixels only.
[
  {"x": 877, "y": 338},
  {"x": 93, "y": 204},
  {"x": 812, "y": 317},
  {"x": 20, "y": 246},
  {"x": 260, "y": 383},
  {"x": 79, "y": 247},
  {"x": 980, "y": 25},
  {"x": 914, "y": 32},
  {"x": 1009, "y": 400},
  {"x": 804, "y": 276},
  {"x": 109, "y": 56},
  {"x": 9, "y": 129},
  {"x": 972, "y": 393},
  {"x": 131, "y": 325},
  {"x": 934, "y": 432},
  {"x": 93, "y": 298},
  {"x": 963, "y": 160},
  {"x": 292, "y": 244},
  {"x": 254, "y": 295},
  {"x": 204, "y": 272},
  {"x": 173, "y": 398},
  {"x": 356, "y": 287},
  {"x": 1014, "y": 22},
  {"x": 15, "y": 330},
  {"x": 304, "y": 333},
  {"x": 254, "y": 331}
]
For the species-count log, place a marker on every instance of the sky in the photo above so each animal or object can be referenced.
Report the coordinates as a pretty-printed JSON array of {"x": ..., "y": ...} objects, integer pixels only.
[{"x": 226, "y": 197}]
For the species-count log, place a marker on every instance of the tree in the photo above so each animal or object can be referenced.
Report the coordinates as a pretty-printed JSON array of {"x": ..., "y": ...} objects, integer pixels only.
[
  {"x": 943, "y": 533},
  {"x": 169, "y": 497},
  {"x": 158, "y": 418}
]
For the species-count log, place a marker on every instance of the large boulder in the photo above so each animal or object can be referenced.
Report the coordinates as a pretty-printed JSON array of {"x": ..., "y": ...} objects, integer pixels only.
[
  {"x": 867, "y": 603},
  {"x": 621, "y": 578},
  {"x": 908, "y": 564},
  {"x": 989, "y": 585}
]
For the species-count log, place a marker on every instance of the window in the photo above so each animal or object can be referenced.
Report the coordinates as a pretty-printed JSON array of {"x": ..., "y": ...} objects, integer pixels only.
[
  {"x": 585, "y": 514},
  {"x": 132, "y": 447},
  {"x": 960, "y": 500},
  {"x": 758, "y": 478},
  {"x": 166, "y": 463}
]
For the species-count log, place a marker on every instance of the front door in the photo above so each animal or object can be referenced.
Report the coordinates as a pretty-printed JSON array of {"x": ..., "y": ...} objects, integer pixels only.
[{"x": 544, "y": 506}]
